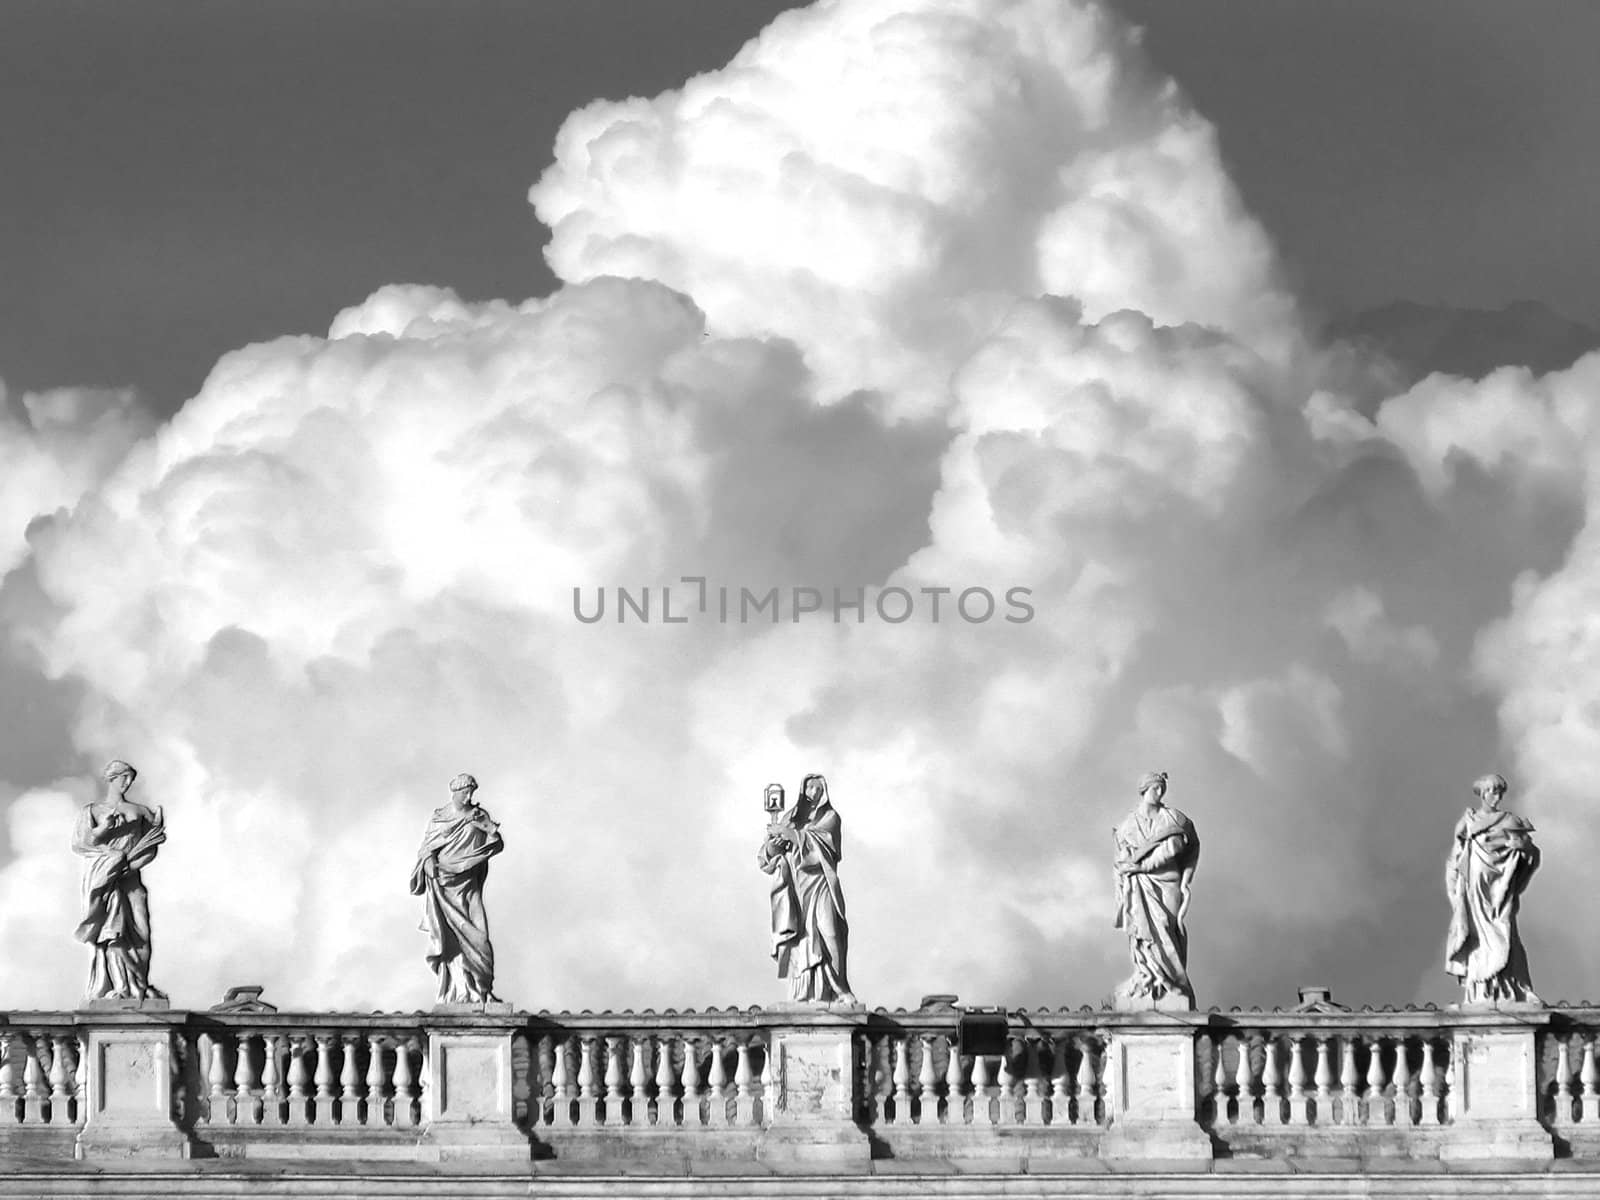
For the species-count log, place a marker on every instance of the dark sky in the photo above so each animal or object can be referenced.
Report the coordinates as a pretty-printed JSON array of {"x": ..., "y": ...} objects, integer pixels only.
[{"x": 183, "y": 178}]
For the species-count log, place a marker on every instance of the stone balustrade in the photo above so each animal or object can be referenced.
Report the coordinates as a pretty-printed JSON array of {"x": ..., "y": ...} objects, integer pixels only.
[
  {"x": 791, "y": 1085},
  {"x": 607, "y": 1085},
  {"x": 304, "y": 1086},
  {"x": 42, "y": 1079},
  {"x": 1342, "y": 1083}
]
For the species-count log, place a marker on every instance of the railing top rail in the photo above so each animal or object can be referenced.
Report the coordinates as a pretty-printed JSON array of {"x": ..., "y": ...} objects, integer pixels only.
[
  {"x": 754, "y": 1019},
  {"x": 1413, "y": 1019}
]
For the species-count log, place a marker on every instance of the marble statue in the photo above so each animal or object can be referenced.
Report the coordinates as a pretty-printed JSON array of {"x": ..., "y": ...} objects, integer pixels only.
[
  {"x": 449, "y": 875},
  {"x": 1156, "y": 852},
  {"x": 1490, "y": 864},
  {"x": 120, "y": 838},
  {"x": 810, "y": 935}
]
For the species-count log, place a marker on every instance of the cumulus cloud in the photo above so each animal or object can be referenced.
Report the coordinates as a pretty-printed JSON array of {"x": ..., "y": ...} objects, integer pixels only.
[
  {"x": 54, "y": 446},
  {"x": 878, "y": 181},
  {"x": 936, "y": 295}
]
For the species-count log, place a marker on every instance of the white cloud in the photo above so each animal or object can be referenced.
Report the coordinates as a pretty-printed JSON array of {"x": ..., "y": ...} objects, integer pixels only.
[
  {"x": 880, "y": 180},
  {"x": 343, "y": 572}
]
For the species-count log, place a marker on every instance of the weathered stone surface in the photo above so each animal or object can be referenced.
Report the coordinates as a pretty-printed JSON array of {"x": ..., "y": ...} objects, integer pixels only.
[
  {"x": 468, "y": 1111},
  {"x": 129, "y": 1104},
  {"x": 814, "y": 1117},
  {"x": 1494, "y": 1100},
  {"x": 1150, "y": 1086}
]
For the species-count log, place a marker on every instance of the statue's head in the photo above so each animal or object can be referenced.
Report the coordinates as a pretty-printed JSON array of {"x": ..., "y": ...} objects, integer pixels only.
[
  {"x": 814, "y": 788},
  {"x": 1490, "y": 788},
  {"x": 1153, "y": 786},
  {"x": 119, "y": 776},
  {"x": 462, "y": 787}
]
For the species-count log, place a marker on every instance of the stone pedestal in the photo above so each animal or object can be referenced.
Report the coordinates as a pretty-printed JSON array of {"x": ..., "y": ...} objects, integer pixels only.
[
  {"x": 103, "y": 1004},
  {"x": 466, "y": 1102},
  {"x": 128, "y": 1111},
  {"x": 1494, "y": 1095},
  {"x": 1149, "y": 1073},
  {"x": 814, "y": 1117}
]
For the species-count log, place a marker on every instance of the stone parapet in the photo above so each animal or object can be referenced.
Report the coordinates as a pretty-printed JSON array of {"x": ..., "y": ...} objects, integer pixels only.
[{"x": 798, "y": 1091}]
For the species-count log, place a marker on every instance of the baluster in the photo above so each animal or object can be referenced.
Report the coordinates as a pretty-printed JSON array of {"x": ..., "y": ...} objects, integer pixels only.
[
  {"x": 1244, "y": 1112},
  {"x": 927, "y": 1083},
  {"x": 373, "y": 1113},
  {"x": 217, "y": 1077},
  {"x": 1006, "y": 1081},
  {"x": 1219, "y": 1080},
  {"x": 719, "y": 1085},
  {"x": 349, "y": 1081},
  {"x": 1404, "y": 1114},
  {"x": 1060, "y": 1083},
  {"x": 1087, "y": 1090},
  {"x": 1588, "y": 1077},
  {"x": 426, "y": 1082},
  {"x": 613, "y": 1081},
  {"x": 666, "y": 1112},
  {"x": 1032, "y": 1083},
  {"x": 325, "y": 1079},
  {"x": 405, "y": 1108},
  {"x": 1272, "y": 1100},
  {"x": 80, "y": 1081},
  {"x": 902, "y": 1083},
  {"x": 955, "y": 1101},
  {"x": 769, "y": 1086},
  {"x": 34, "y": 1095},
  {"x": 60, "y": 1080},
  {"x": 588, "y": 1102},
  {"x": 1298, "y": 1114},
  {"x": 272, "y": 1097},
  {"x": 1430, "y": 1085},
  {"x": 692, "y": 1107},
  {"x": 744, "y": 1081},
  {"x": 1324, "y": 1081},
  {"x": 982, "y": 1112},
  {"x": 1564, "y": 1098},
  {"x": 880, "y": 1077},
  {"x": 246, "y": 1092},
  {"x": 1376, "y": 1110},
  {"x": 1449, "y": 1079},
  {"x": 638, "y": 1084},
  {"x": 299, "y": 1102},
  {"x": 560, "y": 1114},
  {"x": 1349, "y": 1081},
  {"x": 8, "y": 1081}
]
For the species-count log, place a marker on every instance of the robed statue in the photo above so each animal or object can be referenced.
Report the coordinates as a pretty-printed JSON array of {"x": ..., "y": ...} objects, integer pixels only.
[
  {"x": 1156, "y": 849},
  {"x": 452, "y": 866},
  {"x": 810, "y": 936},
  {"x": 120, "y": 838},
  {"x": 1491, "y": 862}
]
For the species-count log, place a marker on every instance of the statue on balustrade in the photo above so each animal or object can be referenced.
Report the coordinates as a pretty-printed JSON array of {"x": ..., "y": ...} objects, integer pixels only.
[
  {"x": 810, "y": 935},
  {"x": 449, "y": 875},
  {"x": 120, "y": 838},
  {"x": 1491, "y": 862},
  {"x": 1156, "y": 849}
]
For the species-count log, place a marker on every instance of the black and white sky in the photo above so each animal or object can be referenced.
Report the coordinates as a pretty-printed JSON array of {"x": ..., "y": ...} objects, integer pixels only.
[{"x": 315, "y": 415}]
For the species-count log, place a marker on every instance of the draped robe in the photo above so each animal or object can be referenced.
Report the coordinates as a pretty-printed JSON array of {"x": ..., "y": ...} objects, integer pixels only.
[
  {"x": 1490, "y": 865},
  {"x": 810, "y": 935},
  {"x": 116, "y": 920},
  {"x": 1164, "y": 845},
  {"x": 463, "y": 839}
]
